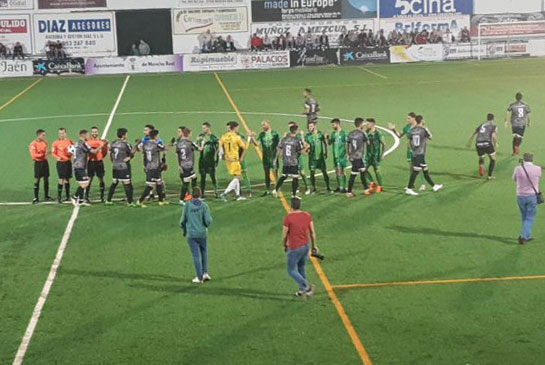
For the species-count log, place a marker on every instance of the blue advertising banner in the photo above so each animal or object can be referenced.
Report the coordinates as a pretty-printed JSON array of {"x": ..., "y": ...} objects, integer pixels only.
[{"x": 401, "y": 8}]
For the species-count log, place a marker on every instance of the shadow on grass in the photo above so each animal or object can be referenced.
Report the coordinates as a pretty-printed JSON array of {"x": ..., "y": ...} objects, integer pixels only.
[{"x": 438, "y": 232}]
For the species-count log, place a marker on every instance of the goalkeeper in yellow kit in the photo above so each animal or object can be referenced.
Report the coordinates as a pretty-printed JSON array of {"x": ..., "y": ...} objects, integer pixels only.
[{"x": 233, "y": 149}]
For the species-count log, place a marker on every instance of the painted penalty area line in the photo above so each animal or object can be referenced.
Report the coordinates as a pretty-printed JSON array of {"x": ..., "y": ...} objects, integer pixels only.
[
  {"x": 432, "y": 282},
  {"x": 27, "y": 337}
]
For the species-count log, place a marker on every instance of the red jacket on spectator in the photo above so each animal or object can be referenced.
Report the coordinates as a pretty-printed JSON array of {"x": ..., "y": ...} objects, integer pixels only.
[{"x": 256, "y": 42}]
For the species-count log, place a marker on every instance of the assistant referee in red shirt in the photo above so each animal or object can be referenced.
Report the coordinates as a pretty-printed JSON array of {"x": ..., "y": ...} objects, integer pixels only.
[{"x": 297, "y": 236}]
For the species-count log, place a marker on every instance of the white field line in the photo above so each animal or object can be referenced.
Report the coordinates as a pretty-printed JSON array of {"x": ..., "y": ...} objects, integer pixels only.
[
  {"x": 389, "y": 151},
  {"x": 23, "y": 347},
  {"x": 373, "y": 73}
]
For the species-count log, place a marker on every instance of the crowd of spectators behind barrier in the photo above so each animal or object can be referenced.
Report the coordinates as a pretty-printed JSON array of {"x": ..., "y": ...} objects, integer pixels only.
[
  {"x": 210, "y": 43},
  {"x": 363, "y": 38},
  {"x": 55, "y": 51},
  {"x": 16, "y": 52}
]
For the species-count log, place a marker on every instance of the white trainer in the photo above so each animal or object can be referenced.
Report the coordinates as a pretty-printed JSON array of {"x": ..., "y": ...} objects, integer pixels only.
[
  {"x": 206, "y": 277},
  {"x": 422, "y": 187},
  {"x": 308, "y": 192},
  {"x": 239, "y": 198},
  {"x": 411, "y": 192},
  {"x": 437, "y": 187},
  {"x": 275, "y": 193},
  {"x": 196, "y": 281}
]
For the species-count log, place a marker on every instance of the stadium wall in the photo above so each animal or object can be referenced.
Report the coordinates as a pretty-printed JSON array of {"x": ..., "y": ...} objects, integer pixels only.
[{"x": 98, "y": 36}]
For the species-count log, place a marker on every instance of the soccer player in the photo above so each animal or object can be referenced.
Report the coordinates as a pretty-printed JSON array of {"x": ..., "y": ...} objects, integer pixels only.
[
  {"x": 38, "y": 153},
  {"x": 95, "y": 167},
  {"x": 186, "y": 160},
  {"x": 317, "y": 154},
  {"x": 59, "y": 150},
  {"x": 152, "y": 150},
  {"x": 302, "y": 173},
  {"x": 311, "y": 107},
  {"x": 233, "y": 149},
  {"x": 374, "y": 155},
  {"x": 519, "y": 114},
  {"x": 418, "y": 138},
  {"x": 80, "y": 153},
  {"x": 338, "y": 140},
  {"x": 208, "y": 161},
  {"x": 486, "y": 144},
  {"x": 268, "y": 139},
  {"x": 290, "y": 147},
  {"x": 411, "y": 123},
  {"x": 121, "y": 153},
  {"x": 244, "y": 170},
  {"x": 147, "y": 130},
  {"x": 356, "y": 145}
]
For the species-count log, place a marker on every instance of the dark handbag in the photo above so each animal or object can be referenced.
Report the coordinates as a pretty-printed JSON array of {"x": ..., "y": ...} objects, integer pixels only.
[{"x": 539, "y": 195}]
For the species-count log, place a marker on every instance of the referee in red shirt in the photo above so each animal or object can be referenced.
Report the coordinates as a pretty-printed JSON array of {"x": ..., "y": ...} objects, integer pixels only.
[{"x": 297, "y": 236}]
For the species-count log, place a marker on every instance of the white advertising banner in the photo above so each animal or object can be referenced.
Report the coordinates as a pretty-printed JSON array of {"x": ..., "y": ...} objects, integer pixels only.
[
  {"x": 236, "y": 61},
  {"x": 16, "y": 4},
  {"x": 133, "y": 64},
  {"x": 187, "y": 4},
  {"x": 216, "y": 20},
  {"x": 333, "y": 28},
  {"x": 471, "y": 50},
  {"x": 82, "y": 34},
  {"x": 16, "y": 28},
  {"x": 15, "y": 68},
  {"x": 416, "y": 53},
  {"x": 443, "y": 22}
]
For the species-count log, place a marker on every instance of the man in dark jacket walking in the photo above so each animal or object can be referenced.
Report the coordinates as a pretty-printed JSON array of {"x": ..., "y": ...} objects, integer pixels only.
[{"x": 195, "y": 221}]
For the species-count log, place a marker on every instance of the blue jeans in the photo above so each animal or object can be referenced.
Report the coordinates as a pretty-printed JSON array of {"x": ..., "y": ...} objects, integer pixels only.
[
  {"x": 528, "y": 211},
  {"x": 199, "y": 250},
  {"x": 297, "y": 260}
]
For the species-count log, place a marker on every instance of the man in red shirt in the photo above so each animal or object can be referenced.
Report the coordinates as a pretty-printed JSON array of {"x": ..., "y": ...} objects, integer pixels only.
[
  {"x": 297, "y": 235},
  {"x": 38, "y": 153},
  {"x": 95, "y": 167}
]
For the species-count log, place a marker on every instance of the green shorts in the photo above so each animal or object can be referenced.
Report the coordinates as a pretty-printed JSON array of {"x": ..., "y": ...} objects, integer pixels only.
[
  {"x": 340, "y": 163},
  {"x": 316, "y": 164},
  {"x": 300, "y": 163},
  {"x": 207, "y": 168},
  {"x": 373, "y": 160}
]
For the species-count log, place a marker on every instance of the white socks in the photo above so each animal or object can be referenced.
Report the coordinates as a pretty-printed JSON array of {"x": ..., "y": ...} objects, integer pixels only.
[{"x": 233, "y": 185}]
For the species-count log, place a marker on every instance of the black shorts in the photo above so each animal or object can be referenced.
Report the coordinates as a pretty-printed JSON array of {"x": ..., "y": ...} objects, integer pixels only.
[
  {"x": 519, "y": 131},
  {"x": 81, "y": 175},
  {"x": 290, "y": 171},
  {"x": 41, "y": 169},
  {"x": 358, "y": 166},
  {"x": 187, "y": 175},
  {"x": 64, "y": 169},
  {"x": 95, "y": 168},
  {"x": 419, "y": 162},
  {"x": 485, "y": 149},
  {"x": 122, "y": 175},
  {"x": 152, "y": 176}
]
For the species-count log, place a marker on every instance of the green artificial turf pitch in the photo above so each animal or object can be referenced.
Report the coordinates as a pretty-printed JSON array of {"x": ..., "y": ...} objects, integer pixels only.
[{"x": 123, "y": 291}]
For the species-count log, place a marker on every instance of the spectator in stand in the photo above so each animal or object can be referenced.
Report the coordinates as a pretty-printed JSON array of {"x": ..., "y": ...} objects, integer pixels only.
[
  {"x": 144, "y": 48},
  {"x": 267, "y": 43},
  {"x": 3, "y": 51},
  {"x": 280, "y": 42},
  {"x": 309, "y": 41},
  {"x": 18, "y": 51},
  {"x": 370, "y": 38},
  {"x": 448, "y": 37},
  {"x": 299, "y": 41},
  {"x": 290, "y": 41},
  {"x": 381, "y": 39},
  {"x": 422, "y": 37},
  {"x": 464, "y": 35},
  {"x": 134, "y": 50},
  {"x": 60, "y": 53},
  {"x": 230, "y": 44},
  {"x": 323, "y": 41},
  {"x": 205, "y": 41},
  {"x": 256, "y": 43}
]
